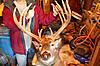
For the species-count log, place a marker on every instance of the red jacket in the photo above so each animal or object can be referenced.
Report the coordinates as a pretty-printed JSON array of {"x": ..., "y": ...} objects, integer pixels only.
[{"x": 17, "y": 42}]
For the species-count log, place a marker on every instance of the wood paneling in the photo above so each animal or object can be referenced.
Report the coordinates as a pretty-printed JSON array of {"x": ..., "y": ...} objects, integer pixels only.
[{"x": 95, "y": 61}]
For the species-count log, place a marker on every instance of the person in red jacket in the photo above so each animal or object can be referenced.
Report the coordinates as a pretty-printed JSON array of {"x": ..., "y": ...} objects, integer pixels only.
[{"x": 18, "y": 40}]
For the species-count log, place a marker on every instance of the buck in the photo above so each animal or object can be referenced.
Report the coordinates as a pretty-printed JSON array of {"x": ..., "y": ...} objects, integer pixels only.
[{"x": 47, "y": 46}]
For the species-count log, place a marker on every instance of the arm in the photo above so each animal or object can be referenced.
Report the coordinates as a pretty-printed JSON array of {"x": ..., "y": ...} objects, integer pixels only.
[
  {"x": 8, "y": 19},
  {"x": 44, "y": 19}
]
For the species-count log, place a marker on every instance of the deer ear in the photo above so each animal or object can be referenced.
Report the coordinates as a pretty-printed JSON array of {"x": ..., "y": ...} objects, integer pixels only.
[
  {"x": 58, "y": 43},
  {"x": 36, "y": 44}
]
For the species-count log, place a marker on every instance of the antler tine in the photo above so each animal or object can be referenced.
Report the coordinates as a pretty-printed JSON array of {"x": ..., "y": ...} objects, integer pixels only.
[
  {"x": 24, "y": 14},
  {"x": 56, "y": 8},
  {"x": 24, "y": 21},
  {"x": 39, "y": 33},
  {"x": 15, "y": 18},
  {"x": 29, "y": 24},
  {"x": 66, "y": 12},
  {"x": 76, "y": 15},
  {"x": 61, "y": 10},
  {"x": 62, "y": 17},
  {"x": 51, "y": 32},
  {"x": 68, "y": 7},
  {"x": 69, "y": 12},
  {"x": 21, "y": 27}
]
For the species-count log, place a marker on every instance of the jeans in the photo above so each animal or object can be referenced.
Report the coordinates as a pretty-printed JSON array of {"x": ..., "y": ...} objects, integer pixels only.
[{"x": 21, "y": 60}]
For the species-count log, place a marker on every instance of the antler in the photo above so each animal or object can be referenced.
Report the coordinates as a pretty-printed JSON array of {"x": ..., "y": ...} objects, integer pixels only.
[
  {"x": 65, "y": 16},
  {"x": 21, "y": 23}
]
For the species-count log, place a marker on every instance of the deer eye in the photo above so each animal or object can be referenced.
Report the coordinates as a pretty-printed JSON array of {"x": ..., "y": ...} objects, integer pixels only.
[{"x": 52, "y": 44}]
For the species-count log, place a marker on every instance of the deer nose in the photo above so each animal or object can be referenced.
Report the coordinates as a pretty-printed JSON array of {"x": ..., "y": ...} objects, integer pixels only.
[
  {"x": 45, "y": 55},
  {"x": 45, "y": 51}
]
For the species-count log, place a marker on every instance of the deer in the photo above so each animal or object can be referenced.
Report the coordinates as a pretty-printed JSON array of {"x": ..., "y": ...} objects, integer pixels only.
[{"x": 48, "y": 46}]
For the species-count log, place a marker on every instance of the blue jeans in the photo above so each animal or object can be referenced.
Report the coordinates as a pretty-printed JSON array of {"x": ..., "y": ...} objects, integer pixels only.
[{"x": 21, "y": 59}]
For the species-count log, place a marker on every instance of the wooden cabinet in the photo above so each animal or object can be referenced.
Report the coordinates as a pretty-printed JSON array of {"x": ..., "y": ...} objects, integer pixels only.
[{"x": 95, "y": 60}]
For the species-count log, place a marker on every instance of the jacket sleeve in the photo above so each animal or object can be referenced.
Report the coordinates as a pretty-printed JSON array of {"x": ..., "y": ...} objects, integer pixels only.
[
  {"x": 8, "y": 19},
  {"x": 44, "y": 19}
]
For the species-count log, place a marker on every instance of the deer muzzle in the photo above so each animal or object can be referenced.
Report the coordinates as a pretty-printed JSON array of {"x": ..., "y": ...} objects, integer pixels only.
[{"x": 45, "y": 55}]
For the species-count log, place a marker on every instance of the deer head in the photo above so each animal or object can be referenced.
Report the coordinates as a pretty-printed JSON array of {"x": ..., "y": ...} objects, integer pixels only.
[
  {"x": 47, "y": 45},
  {"x": 47, "y": 50}
]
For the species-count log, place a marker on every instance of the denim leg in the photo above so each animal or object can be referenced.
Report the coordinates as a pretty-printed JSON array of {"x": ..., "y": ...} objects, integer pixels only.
[{"x": 21, "y": 60}]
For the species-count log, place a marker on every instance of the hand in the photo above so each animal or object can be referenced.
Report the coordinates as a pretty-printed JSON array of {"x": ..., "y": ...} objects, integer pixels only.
[{"x": 54, "y": 10}]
